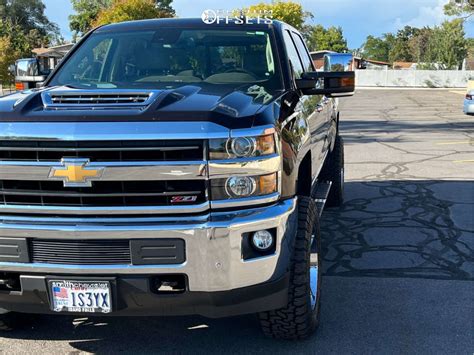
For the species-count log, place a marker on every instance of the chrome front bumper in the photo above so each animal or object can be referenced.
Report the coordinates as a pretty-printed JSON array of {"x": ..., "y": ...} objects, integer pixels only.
[{"x": 213, "y": 244}]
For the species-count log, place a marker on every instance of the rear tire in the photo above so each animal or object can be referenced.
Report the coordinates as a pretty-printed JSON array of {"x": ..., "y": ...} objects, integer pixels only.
[
  {"x": 333, "y": 171},
  {"x": 300, "y": 317}
]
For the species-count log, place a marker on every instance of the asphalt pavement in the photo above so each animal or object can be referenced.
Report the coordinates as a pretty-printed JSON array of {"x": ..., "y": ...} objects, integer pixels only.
[{"x": 398, "y": 255}]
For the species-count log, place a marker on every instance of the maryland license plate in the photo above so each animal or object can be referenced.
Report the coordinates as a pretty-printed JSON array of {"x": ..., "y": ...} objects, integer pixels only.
[{"x": 80, "y": 296}]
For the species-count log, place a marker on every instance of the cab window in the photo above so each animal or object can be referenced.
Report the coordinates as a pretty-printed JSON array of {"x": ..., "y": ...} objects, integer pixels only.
[
  {"x": 293, "y": 55},
  {"x": 303, "y": 52}
]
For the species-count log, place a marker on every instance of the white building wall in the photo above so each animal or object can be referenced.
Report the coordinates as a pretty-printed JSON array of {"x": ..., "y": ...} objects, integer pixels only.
[{"x": 414, "y": 78}]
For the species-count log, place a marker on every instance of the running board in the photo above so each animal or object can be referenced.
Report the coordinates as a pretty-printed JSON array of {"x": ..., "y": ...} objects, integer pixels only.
[{"x": 320, "y": 194}]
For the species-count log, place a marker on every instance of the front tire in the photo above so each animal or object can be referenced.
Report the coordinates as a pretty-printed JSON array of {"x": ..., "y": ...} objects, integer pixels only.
[{"x": 300, "y": 317}]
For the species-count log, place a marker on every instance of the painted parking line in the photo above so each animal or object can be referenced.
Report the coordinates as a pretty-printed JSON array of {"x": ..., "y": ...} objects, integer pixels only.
[
  {"x": 453, "y": 143},
  {"x": 460, "y": 92},
  {"x": 464, "y": 161}
]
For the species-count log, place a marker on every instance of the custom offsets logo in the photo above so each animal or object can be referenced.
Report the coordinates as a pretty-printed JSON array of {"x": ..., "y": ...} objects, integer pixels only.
[{"x": 237, "y": 17}]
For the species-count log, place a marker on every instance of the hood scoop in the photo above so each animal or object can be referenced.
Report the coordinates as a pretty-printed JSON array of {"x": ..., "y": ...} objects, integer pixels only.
[{"x": 95, "y": 99}]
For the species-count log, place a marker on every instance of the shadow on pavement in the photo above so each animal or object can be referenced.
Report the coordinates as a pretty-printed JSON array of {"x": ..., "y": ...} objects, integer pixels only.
[{"x": 397, "y": 258}]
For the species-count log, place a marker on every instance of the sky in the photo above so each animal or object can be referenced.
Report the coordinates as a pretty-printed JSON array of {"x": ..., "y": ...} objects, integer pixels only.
[{"x": 358, "y": 18}]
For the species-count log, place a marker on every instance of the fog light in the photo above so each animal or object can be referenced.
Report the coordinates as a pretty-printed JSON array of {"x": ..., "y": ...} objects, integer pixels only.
[
  {"x": 262, "y": 240},
  {"x": 240, "y": 186}
]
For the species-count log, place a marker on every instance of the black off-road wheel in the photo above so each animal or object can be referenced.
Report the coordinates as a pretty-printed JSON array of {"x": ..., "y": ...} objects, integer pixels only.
[
  {"x": 333, "y": 170},
  {"x": 300, "y": 318}
]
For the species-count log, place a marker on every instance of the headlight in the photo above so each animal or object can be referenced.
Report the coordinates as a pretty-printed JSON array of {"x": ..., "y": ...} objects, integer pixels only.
[
  {"x": 240, "y": 186},
  {"x": 243, "y": 186},
  {"x": 241, "y": 147}
]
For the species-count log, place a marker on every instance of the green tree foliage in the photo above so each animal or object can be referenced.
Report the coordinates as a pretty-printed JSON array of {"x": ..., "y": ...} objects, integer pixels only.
[
  {"x": 287, "y": 11},
  {"x": 320, "y": 38},
  {"x": 28, "y": 15},
  {"x": 460, "y": 8},
  {"x": 378, "y": 48},
  {"x": 400, "y": 48},
  {"x": 448, "y": 45},
  {"x": 442, "y": 46},
  {"x": 8, "y": 55},
  {"x": 128, "y": 10},
  {"x": 92, "y": 13},
  {"x": 23, "y": 26},
  {"x": 86, "y": 13}
]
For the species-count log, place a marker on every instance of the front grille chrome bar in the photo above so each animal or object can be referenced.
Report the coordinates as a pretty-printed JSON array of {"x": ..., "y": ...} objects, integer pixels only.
[
  {"x": 113, "y": 171},
  {"x": 94, "y": 211}
]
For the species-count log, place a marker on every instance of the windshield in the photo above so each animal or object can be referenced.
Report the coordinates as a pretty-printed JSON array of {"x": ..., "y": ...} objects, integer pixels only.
[{"x": 171, "y": 57}]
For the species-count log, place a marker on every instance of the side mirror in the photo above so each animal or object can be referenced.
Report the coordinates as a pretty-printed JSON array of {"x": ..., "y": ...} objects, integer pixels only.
[
  {"x": 28, "y": 70},
  {"x": 336, "y": 80}
]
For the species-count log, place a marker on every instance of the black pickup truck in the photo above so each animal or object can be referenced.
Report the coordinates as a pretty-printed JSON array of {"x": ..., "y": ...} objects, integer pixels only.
[{"x": 171, "y": 167}]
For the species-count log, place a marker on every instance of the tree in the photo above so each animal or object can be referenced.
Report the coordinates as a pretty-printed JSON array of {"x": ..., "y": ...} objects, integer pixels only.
[
  {"x": 28, "y": 15},
  {"x": 86, "y": 13},
  {"x": 460, "y": 8},
  {"x": 129, "y": 10},
  {"x": 378, "y": 48},
  {"x": 448, "y": 45},
  {"x": 400, "y": 48},
  {"x": 286, "y": 11},
  {"x": 419, "y": 45},
  {"x": 8, "y": 55},
  {"x": 319, "y": 38}
]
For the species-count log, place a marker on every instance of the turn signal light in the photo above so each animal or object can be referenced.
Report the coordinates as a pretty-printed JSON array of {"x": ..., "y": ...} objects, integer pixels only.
[{"x": 347, "y": 82}]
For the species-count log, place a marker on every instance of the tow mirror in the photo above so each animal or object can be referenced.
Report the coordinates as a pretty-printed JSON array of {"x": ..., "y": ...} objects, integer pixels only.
[
  {"x": 28, "y": 70},
  {"x": 336, "y": 80}
]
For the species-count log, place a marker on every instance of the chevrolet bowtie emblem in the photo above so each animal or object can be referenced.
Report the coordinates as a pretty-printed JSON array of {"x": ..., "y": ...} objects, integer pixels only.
[{"x": 75, "y": 172}]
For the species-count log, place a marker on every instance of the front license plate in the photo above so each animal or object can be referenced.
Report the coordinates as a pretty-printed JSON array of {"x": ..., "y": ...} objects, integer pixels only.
[{"x": 80, "y": 296}]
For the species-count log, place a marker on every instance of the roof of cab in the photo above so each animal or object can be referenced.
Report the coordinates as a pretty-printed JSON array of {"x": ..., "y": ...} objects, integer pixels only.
[{"x": 179, "y": 22}]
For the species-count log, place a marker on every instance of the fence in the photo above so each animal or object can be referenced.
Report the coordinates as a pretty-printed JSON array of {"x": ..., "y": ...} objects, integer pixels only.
[
  {"x": 414, "y": 78},
  {"x": 6, "y": 89}
]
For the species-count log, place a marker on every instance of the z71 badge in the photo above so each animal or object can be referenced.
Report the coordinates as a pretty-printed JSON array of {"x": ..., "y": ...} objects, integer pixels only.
[{"x": 181, "y": 199}]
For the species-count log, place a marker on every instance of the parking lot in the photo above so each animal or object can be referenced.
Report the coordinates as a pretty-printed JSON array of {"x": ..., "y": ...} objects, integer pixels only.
[{"x": 398, "y": 256}]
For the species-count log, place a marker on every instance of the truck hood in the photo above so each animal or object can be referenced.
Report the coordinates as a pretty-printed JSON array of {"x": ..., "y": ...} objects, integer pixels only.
[{"x": 229, "y": 106}]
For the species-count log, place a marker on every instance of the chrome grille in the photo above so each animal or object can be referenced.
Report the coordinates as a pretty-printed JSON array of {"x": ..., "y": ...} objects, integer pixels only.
[
  {"x": 101, "y": 194},
  {"x": 139, "y": 176},
  {"x": 93, "y": 252},
  {"x": 161, "y": 251},
  {"x": 103, "y": 151}
]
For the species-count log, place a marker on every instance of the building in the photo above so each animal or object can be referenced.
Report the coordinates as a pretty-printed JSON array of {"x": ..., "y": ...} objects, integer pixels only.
[
  {"x": 50, "y": 57},
  {"x": 404, "y": 65}
]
